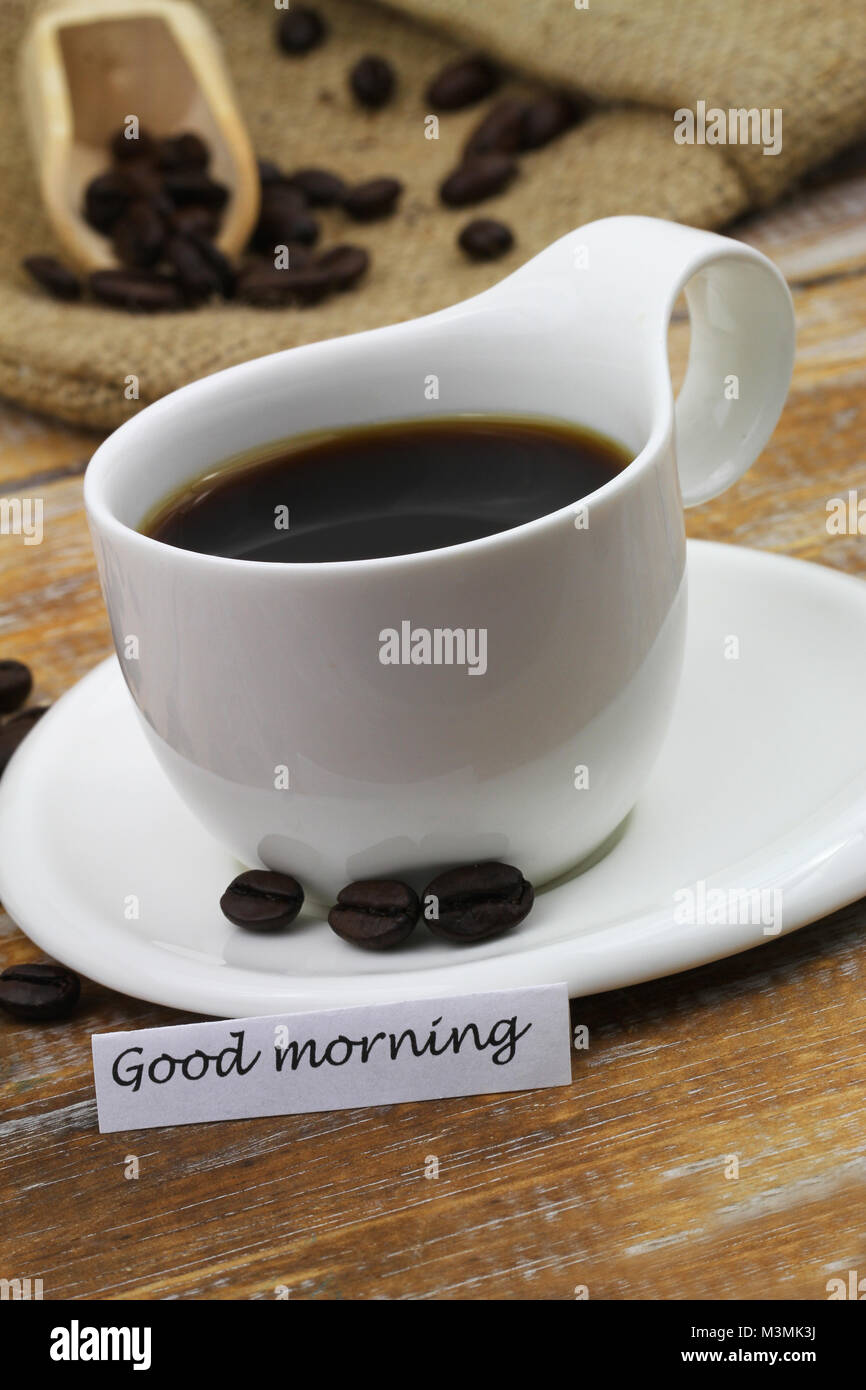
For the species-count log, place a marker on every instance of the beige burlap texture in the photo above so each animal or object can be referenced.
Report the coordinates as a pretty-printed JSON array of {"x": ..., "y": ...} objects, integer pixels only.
[{"x": 639, "y": 60}]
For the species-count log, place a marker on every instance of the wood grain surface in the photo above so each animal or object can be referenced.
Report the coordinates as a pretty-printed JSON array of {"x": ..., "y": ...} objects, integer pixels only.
[{"x": 617, "y": 1183}]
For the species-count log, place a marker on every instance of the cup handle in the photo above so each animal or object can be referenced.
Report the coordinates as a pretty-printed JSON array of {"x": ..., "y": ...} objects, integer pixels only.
[{"x": 742, "y": 331}]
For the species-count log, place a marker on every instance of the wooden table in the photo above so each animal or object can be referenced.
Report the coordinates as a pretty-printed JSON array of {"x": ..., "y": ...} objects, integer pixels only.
[{"x": 617, "y": 1183}]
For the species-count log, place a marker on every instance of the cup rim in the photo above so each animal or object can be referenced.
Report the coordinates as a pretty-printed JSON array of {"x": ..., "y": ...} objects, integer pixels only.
[{"x": 103, "y": 518}]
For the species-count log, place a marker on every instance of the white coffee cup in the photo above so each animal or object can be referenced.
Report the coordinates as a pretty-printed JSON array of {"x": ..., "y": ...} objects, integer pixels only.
[{"x": 261, "y": 686}]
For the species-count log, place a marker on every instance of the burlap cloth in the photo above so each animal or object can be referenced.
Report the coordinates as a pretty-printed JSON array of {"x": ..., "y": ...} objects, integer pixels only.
[{"x": 639, "y": 59}]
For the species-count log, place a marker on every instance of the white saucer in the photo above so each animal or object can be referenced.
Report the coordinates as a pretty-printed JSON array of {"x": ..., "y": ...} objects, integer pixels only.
[{"x": 761, "y": 785}]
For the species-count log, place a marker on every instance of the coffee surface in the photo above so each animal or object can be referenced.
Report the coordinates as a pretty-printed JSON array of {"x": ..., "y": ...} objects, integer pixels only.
[{"x": 394, "y": 489}]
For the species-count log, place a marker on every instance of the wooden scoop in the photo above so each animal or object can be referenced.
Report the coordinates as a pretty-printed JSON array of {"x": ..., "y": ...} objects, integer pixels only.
[{"x": 87, "y": 65}]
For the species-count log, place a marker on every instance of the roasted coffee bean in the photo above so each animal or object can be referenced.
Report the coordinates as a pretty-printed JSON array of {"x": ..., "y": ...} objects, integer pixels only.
[
  {"x": 199, "y": 279},
  {"x": 16, "y": 683},
  {"x": 500, "y": 131},
  {"x": 105, "y": 199},
  {"x": 144, "y": 182},
  {"x": 268, "y": 287},
  {"x": 139, "y": 236},
  {"x": 367, "y": 202},
  {"x": 125, "y": 147},
  {"x": 143, "y": 291},
  {"x": 268, "y": 172},
  {"x": 477, "y": 901},
  {"x": 300, "y": 30},
  {"x": 344, "y": 264},
  {"x": 375, "y": 914},
  {"x": 193, "y": 221},
  {"x": 463, "y": 83},
  {"x": 479, "y": 178},
  {"x": 547, "y": 118},
  {"x": 53, "y": 277},
  {"x": 321, "y": 188},
  {"x": 372, "y": 80},
  {"x": 185, "y": 186},
  {"x": 12, "y": 735},
  {"x": 187, "y": 151},
  {"x": 14, "y": 731},
  {"x": 39, "y": 990},
  {"x": 24, "y": 719},
  {"x": 283, "y": 217},
  {"x": 219, "y": 264},
  {"x": 485, "y": 239},
  {"x": 261, "y": 900}
]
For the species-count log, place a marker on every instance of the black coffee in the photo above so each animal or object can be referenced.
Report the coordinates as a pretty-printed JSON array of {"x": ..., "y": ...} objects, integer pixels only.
[{"x": 390, "y": 489}]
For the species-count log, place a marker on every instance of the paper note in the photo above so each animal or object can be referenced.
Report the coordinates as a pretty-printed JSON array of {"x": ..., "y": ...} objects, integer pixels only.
[{"x": 289, "y": 1064}]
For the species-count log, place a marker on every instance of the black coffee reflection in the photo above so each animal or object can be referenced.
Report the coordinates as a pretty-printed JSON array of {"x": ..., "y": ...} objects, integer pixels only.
[{"x": 358, "y": 494}]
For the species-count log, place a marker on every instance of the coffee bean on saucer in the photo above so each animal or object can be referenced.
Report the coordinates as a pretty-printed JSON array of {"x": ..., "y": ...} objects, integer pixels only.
[
  {"x": 105, "y": 199},
  {"x": 485, "y": 239},
  {"x": 375, "y": 914},
  {"x": 125, "y": 147},
  {"x": 372, "y": 80},
  {"x": 478, "y": 901},
  {"x": 139, "y": 236},
  {"x": 367, "y": 202},
  {"x": 14, "y": 731},
  {"x": 187, "y": 151},
  {"x": 299, "y": 30},
  {"x": 143, "y": 291},
  {"x": 320, "y": 187},
  {"x": 548, "y": 117},
  {"x": 16, "y": 682},
  {"x": 53, "y": 277},
  {"x": 480, "y": 177},
  {"x": 39, "y": 991},
  {"x": 462, "y": 83},
  {"x": 261, "y": 900},
  {"x": 344, "y": 264},
  {"x": 501, "y": 130},
  {"x": 270, "y": 288}
]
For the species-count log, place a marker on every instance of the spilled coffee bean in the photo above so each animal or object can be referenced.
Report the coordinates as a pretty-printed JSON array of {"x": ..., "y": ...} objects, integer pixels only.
[
  {"x": 375, "y": 914},
  {"x": 39, "y": 991},
  {"x": 269, "y": 288},
  {"x": 283, "y": 217},
  {"x": 198, "y": 277},
  {"x": 485, "y": 239},
  {"x": 139, "y": 236},
  {"x": 299, "y": 30},
  {"x": 14, "y": 731},
  {"x": 344, "y": 264},
  {"x": 478, "y": 901},
  {"x": 261, "y": 900},
  {"x": 367, "y": 202},
  {"x": 16, "y": 682},
  {"x": 548, "y": 117},
  {"x": 105, "y": 199},
  {"x": 53, "y": 277},
  {"x": 320, "y": 187},
  {"x": 372, "y": 81},
  {"x": 501, "y": 130},
  {"x": 481, "y": 177},
  {"x": 462, "y": 83},
  {"x": 142, "y": 291}
]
